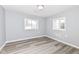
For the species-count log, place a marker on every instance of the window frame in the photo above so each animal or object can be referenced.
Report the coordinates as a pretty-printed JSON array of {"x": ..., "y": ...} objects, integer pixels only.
[
  {"x": 59, "y": 19},
  {"x": 32, "y": 28}
]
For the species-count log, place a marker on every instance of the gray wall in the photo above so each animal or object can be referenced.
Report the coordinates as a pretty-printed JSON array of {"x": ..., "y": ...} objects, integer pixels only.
[
  {"x": 15, "y": 26},
  {"x": 2, "y": 26},
  {"x": 71, "y": 35}
]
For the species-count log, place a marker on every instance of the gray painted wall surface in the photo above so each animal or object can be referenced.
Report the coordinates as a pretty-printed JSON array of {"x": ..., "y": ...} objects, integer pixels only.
[{"x": 2, "y": 26}]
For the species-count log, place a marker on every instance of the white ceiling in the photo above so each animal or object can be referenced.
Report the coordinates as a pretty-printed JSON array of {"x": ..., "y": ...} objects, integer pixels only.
[{"x": 33, "y": 10}]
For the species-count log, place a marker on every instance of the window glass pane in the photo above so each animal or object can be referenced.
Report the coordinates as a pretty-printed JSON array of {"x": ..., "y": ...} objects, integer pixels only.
[
  {"x": 34, "y": 24},
  {"x": 62, "y": 24},
  {"x": 27, "y": 24}
]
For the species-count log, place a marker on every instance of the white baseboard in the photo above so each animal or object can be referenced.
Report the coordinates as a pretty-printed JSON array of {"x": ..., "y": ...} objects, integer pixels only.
[
  {"x": 2, "y": 46},
  {"x": 72, "y": 45},
  {"x": 24, "y": 39}
]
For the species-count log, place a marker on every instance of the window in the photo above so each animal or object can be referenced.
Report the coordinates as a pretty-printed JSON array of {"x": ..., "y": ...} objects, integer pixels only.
[
  {"x": 30, "y": 24},
  {"x": 59, "y": 23}
]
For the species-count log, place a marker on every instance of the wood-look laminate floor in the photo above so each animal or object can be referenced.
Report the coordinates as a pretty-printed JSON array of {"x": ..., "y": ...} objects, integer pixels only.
[{"x": 42, "y": 45}]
